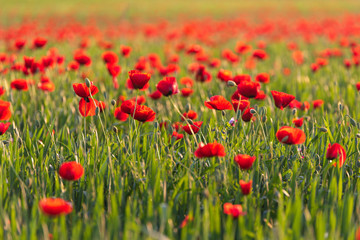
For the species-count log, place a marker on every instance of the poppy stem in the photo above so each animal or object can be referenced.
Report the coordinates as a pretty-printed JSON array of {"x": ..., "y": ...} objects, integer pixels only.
[
  {"x": 85, "y": 135},
  {"x": 187, "y": 122}
]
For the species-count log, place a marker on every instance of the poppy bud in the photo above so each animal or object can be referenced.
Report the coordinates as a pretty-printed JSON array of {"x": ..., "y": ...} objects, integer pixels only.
[
  {"x": 340, "y": 106},
  {"x": 238, "y": 113},
  {"x": 358, "y": 135},
  {"x": 115, "y": 129},
  {"x": 187, "y": 107},
  {"x": 87, "y": 82},
  {"x": 252, "y": 111},
  {"x": 113, "y": 102},
  {"x": 264, "y": 118},
  {"x": 156, "y": 125},
  {"x": 322, "y": 129},
  {"x": 96, "y": 111},
  {"x": 223, "y": 113},
  {"x": 190, "y": 121},
  {"x": 294, "y": 111},
  {"x": 231, "y": 83},
  {"x": 352, "y": 121}
]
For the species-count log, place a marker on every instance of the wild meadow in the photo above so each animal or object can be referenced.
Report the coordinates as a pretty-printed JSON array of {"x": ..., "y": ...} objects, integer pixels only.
[{"x": 209, "y": 126}]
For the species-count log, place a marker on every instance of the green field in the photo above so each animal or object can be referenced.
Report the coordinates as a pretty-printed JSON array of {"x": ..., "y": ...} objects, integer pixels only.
[{"x": 139, "y": 182}]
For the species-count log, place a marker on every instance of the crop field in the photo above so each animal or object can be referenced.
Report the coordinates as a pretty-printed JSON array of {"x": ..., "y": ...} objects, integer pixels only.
[{"x": 179, "y": 119}]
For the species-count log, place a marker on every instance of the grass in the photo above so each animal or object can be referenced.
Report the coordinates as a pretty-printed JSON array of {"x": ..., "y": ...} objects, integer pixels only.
[{"x": 141, "y": 184}]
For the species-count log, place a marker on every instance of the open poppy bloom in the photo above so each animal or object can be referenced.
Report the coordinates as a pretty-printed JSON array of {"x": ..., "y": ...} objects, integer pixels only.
[
  {"x": 290, "y": 135},
  {"x": 185, "y": 92},
  {"x": 249, "y": 89},
  {"x": 247, "y": 115},
  {"x": 168, "y": 86},
  {"x": 71, "y": 171},
  {"x": 281, "y": 99},
  {"x": 334, "y": 151},
  {"x": 240, "y": 105},
  {"x": 55, "y": 206},
  {"x": 19, "y": 84},
  {"x": 138, "y": 79},
  {"x": 263, "y": 78},
  {"x": 110, "y": 57},
  {"x": 155, "y": 95},
  {"x": 190, "y": 114},
  {"x": 46, "y": 86},
  {"x": 234, "y": 210},
  {"x": 82, "y": 59},
  {"x": 317, "y": 103},
  {"x": 83, "y": 91},
  {"x": 88, "y": 106},
  {"x": 5, "y": 113},
  {"x": 39, "y": 42},
  {"x": 125, "y": 50},
  {"x": 242, "y": 78},
  {"x": 177, "y": 136},
  {"x": 142, "y": 113},
  {"x": 4, "y": 127},
  {"x": 218, "y": 103},
  {"x": 298, "y": 122},
  {"x": 128, "y": 106},
  {"x": 210, "y": 150},
  {"x": 244, "y": 161},
  {"x": 120, "y": 115},
  {"x": 224, "y": 75},
  {"x": 245, "y": 187},
  {"x": 192, "y": 129}
]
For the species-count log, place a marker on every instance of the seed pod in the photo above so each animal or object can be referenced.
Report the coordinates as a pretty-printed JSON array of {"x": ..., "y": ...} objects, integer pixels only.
[
  {"x": 252, "y": 111},
  {"x": 115, "y": 129},
  {"x": 340, "y": 106},
  {"x": 352, "y": 121},
  {"x": 87, "y": 82},
  {"x": 113, "y": 102},
  {"x": 322, "y": 129},
  {"x": 231, "y": 83}
]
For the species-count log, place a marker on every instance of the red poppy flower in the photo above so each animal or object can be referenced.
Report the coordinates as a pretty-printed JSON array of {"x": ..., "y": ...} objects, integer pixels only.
[
  {"x": 113, "y": 70},
  {"x": 5, "y": 113},
  {"x": 210, "y": 150},
  {"x": 2, "y": 91},
  {"x": 143, "y": 113},
  {"x": 190, "y": 114},
  {"x": 241, "y": 105},
  {"x": 234, "y": 210},
  {"x": 249, "y": 89},
  {"x": 260, "y": 96},
  {"x": 39, "y": 42},
  {"x": 155, "y": 95},
  {"x": 185, "y": 221},
  {"x": 242, "y": 47},
  {"x": 128, "y": 106},
  {"x": 260, "y": 54},
  {"x": 46, "y": 86},
  {"x": 28, "y": 61},
  {"x": 242, "y": 78},
  {"x": 168, "y": 86},
  {"x": 218, "y": 103},
  {"x": 19, "y": 44},
  {"x": 244, "y": 161},
  {"x": 138, "y": 79},
  {"x": 139, "y": 100},
  {"x": 263, "y": 78},
  {"x": 110, "y": 57},
  {"x": 177, "y": 136},
  {"x": 224, "y": 75},
  {"x": 298, "y": 57},
  {"x": 125, "y": 50},
  {"x": 55, "y": 206},
  {"x": 281, "y": 99},
  {"x": 73, "y": 66},
  {"x": 19, "y": 84},
  {"x": 247, "y": 115},
  {"x": 295, "y": 104},
  {"x": 317, "y": 103},
  {"x": 334, "y": 151},
  {"x": 130, "y": 85},
  {"x": 87, "y": 107},
  {"x": 188, "y": 82},
  {"x": 358, "y": 86},
  {"x": 290, "y": 135},
  {"x": 245, "y": 187},
  {"x": 314, "y": 67},
  {"x": 185, "y": 92},
  {"x": 71, "y": 171},
  {"x": 82, "y": 59},
  {"x": 4, "y": 127},
  {"x": 83, "y": 91},
  {"x": 192, "y": 129},
  {"x": 305, "y": 106},
  {"x": 120, "y": 115},
  {"x": 298, "y": 122}
]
